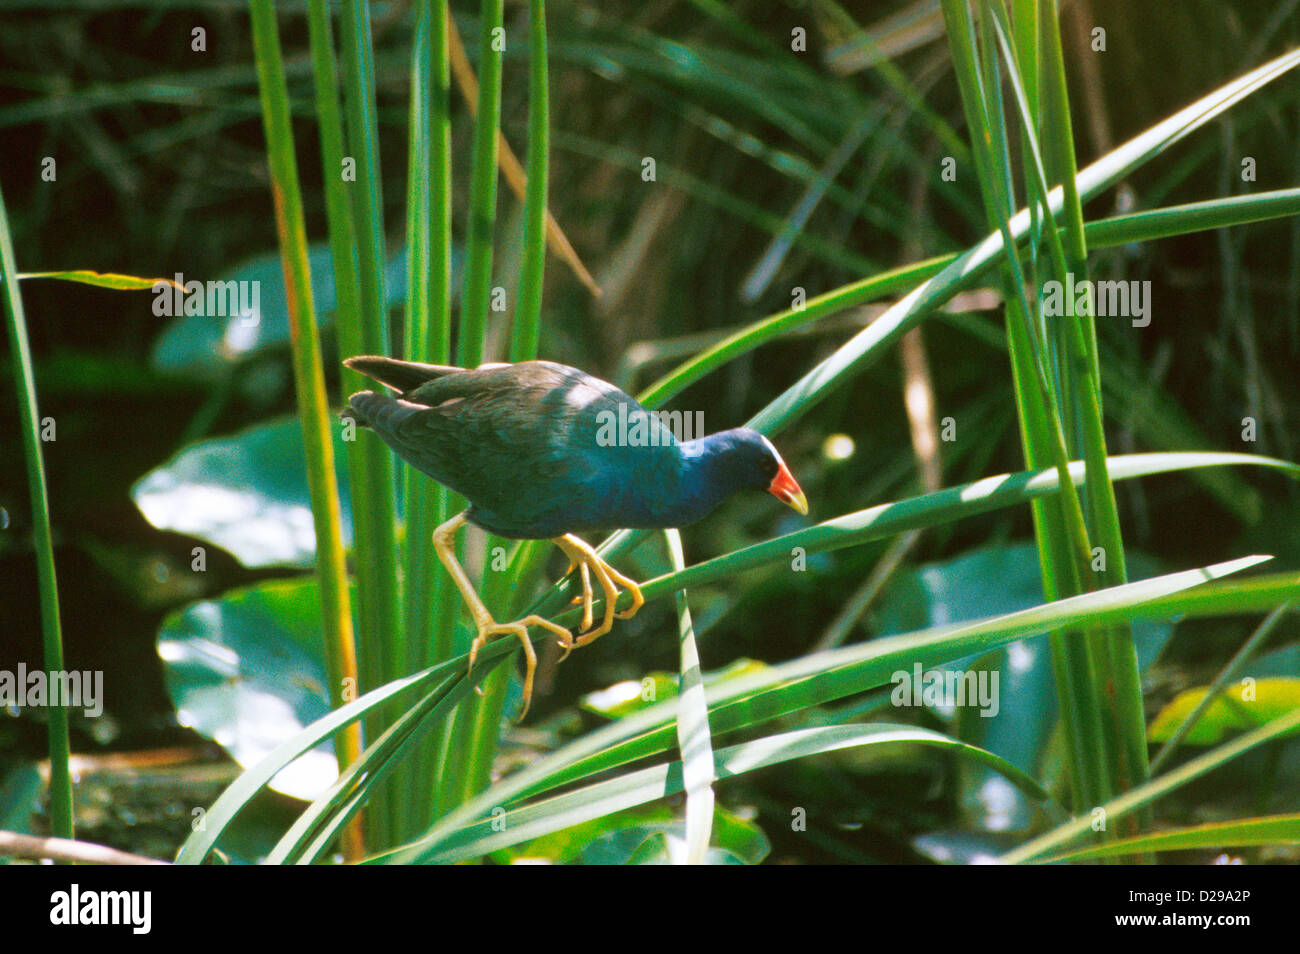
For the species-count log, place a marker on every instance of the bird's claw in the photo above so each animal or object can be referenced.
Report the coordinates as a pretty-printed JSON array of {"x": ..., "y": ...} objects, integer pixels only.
[
  {"x": 582, "y": 556},
  {"x": 489, "y": 628}
]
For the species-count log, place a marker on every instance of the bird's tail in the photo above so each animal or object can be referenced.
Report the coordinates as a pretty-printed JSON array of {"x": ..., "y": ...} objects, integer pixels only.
[
  {"x": 350, "y": 413},
  {"x": 378, "y": 411},
  {"x": 401, "y": 376}
]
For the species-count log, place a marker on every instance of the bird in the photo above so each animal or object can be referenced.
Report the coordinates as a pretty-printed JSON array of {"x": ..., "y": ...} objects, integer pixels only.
[{"x": 544, "y": 451}]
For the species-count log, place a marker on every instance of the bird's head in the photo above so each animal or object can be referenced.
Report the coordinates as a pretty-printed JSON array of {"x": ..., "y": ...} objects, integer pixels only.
[{"x": 750, "y": 462}]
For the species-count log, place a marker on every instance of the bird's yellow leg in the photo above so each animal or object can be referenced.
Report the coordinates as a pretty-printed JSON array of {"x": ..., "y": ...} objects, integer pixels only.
[
  {"x": 484, "y": 624},
  {"x": 585, "y": 597},
  {"x": 581, "y": 554}
]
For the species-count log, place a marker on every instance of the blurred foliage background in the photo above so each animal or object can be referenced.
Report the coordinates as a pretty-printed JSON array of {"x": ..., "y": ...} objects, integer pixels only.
[{"x": 775, "y": 170}]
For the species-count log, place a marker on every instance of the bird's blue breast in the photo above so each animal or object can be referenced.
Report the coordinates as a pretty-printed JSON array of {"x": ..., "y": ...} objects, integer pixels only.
[{"x": 599, "y": 488}]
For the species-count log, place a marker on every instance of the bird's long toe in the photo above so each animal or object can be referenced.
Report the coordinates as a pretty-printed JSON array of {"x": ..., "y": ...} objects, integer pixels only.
[
  {"x": 589, "y": 563},
  {"x": 488, "y": 629},
  {"x": 585, "y": 598},
  {"x": 638, "y": 600}
]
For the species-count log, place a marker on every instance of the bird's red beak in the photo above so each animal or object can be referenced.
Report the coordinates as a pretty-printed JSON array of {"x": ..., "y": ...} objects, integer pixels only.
[{"x": 785, "y": 489}]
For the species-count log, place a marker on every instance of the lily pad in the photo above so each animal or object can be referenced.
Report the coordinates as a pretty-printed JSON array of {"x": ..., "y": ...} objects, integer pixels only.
[
  {"x": 246, "y": 493},
  {"x": 644, "y": 835},
  {"x": 247, "y": 671},
  {"x": 987, "y": 582},
  {"x": 209, "y": 346}
]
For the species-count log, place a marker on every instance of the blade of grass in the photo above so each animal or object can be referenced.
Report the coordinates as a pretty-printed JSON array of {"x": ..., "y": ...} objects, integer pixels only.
[
  {"x": 661, "y": 781},
  {"x": 529, "y": 557},
  {"x": 927, "y": 510},
  {"x": 1121, "y": 679},
  {"x": 510, "y": 167},
  {"x": 1103, "y": 233},
  {"x": 365, "y": 331},
  {"x": 1259, "y": 594},
  {"x": 813, "y": 681},
  {"x": 1229, "y": 671},
  {"x": 523, "y": 344},
  {"x": 1102, "y": 760},
  {"x": 428, "y": 339},
  {"x": 477, "y": 287},
  {"x": 1143, "y": 795},
  {"x": 1238, "y": 833},
  {"x": 468, "y": 753},
  {"x": 309, "y": 378},
  {"x": 693, "y": 737},
  {"x": 317, "y": 827},
  {"x": 802, "y": 682},
  {"x": 111, "y": 280},
  {"x": 255, "y": 778},
  {"x": 61, "y": 822}
]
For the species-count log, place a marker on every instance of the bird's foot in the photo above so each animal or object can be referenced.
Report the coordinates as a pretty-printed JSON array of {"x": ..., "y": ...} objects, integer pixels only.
[
  {"x": 488, "y": 628},
  {"x": 589, "y": 562}
]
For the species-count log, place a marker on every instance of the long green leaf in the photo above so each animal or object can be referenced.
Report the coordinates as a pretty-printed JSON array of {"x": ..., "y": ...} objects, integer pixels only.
[
  {"x": 477, "y": 287},
  {"x": 818, "y": 678},
  {"x": 110, "y": 280},
  {"x": 240, "y": 792},
  {"x": 835, "y": 370},
  {"x": 428, "y": 339},
  {"x": 528, "y": 313},
  {"x": 693, "y": 737},
  {"x": 309, "y": 377},
  {"x": 1239, "y": 833},
  {"x": 365, "y": 331},
  {"x": 315, "y": 829},
  {"x": 647, "y": 785},
  {"x": 928, "y": 510},
  {"x": 1104, "y": 233},
  {"x": 472, "y": 741},
  {"x": 42, "y": 538},
  {"x": 1147, "y": 793}
]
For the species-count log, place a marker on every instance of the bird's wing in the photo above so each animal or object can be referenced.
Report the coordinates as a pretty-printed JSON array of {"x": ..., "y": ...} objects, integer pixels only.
[
  {"x": 523, "y": 443},
  {"x": 463, "y": 429}
]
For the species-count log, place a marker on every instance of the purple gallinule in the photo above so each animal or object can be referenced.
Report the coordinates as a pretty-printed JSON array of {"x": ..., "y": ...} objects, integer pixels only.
[{"x": 544, "y": 452}]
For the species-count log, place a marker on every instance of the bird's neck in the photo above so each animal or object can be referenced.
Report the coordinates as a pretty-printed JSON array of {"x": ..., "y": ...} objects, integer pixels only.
[{"x": 702, "y": 483}]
